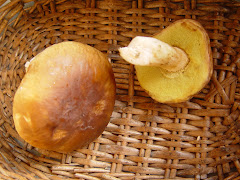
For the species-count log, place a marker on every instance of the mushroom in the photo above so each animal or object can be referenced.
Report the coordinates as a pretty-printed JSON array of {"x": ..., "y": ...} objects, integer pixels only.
[
  {"x": 173, "y": 65},
  {"x": 66, "y": 97}
]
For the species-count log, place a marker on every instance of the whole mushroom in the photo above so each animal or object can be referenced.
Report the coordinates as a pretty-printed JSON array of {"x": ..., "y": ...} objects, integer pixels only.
[
  {"x": 66, "y": 97},
  {"x": 173, "y": 65}
]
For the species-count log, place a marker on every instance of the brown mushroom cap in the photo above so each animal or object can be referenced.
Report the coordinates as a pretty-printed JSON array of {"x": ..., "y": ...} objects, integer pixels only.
[
  {"x": 66, "y": 98},
  {"x": 174, "y": 87}
]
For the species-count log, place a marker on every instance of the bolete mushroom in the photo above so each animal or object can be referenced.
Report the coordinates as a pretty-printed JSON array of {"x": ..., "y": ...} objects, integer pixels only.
[
  {"x": 173, "y": 65},
  {"x": 66, "y": 97}
]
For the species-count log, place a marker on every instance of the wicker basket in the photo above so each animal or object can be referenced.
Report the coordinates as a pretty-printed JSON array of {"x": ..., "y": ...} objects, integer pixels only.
[{"x": 197, "y": 139}]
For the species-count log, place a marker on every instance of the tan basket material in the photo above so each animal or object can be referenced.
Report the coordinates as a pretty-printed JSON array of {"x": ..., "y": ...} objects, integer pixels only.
[{"x": 197, "y": 139}]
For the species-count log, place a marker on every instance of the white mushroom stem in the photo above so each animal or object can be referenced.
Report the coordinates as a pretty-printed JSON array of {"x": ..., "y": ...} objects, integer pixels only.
[{"x": 148, "y": 51}]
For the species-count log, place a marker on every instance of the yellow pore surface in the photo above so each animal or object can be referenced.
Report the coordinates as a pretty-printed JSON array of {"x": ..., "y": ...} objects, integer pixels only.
[{"x": 176, "y": 87}]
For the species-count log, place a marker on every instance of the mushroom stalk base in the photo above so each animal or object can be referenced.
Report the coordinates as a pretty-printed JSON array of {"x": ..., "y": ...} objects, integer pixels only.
[{"x": 148, "y": 51}]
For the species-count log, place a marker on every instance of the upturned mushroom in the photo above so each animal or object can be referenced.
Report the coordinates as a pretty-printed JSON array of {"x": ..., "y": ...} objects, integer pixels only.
[{"x": 173, "y": 65}]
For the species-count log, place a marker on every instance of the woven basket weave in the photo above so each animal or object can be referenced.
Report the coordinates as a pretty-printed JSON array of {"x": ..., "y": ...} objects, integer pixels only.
[{"x": 198, "y": 139}]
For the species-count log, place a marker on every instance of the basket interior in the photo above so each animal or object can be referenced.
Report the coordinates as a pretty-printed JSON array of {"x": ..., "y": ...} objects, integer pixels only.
[{"x": 197, "y": 139}]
